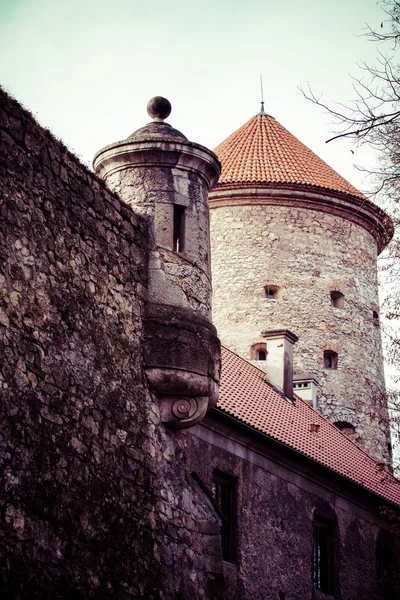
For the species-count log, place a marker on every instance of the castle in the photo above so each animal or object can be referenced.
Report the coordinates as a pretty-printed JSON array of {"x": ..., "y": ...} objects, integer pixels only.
[{"x": 132, "y": 467}]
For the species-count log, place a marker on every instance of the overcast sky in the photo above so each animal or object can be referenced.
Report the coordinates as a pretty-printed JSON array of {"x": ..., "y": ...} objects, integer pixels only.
[{"x": 87, "y": 68}]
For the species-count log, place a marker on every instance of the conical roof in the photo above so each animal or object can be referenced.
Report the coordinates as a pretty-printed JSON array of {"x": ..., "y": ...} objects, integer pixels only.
[{"x": 263, "y": 152}]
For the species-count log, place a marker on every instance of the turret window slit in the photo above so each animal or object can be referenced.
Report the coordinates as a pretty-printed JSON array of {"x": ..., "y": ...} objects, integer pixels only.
[{"x": 179, "y": 228}]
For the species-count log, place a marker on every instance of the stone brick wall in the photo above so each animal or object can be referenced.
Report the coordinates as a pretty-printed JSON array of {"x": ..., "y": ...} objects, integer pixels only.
[
  {"x": 307, "y": 254},
  {"x": 96, "y": 500}
]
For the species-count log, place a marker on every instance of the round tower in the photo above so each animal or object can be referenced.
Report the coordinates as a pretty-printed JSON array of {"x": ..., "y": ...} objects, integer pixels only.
[
  {"x": 294, "y": 247},
  {"x": 163, "y": 176}
]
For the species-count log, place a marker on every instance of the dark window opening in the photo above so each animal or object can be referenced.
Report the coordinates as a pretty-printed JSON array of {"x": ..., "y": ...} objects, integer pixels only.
[
  {"x": 375, "y": 318},
  {"x": 323, "y": 556},
  {"x": 347, "y": 428},
  {"x": 223, "y": 491},
  {"x": 271, "y": 292},
  {"x": 179, "y": 228},
  {"x": 258, "y": 351},
  {"x": 330, "y": 359},
  {"x": 384, "y": 562},
  {"x": 337, "y": 299},
  {"x": 343, "y": 425}
]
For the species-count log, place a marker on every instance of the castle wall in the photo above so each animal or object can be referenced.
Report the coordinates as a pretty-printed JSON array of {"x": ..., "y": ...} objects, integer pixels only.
[
  {"x": 307, "y": 254},
  {"x": 276, "y": 498},
  {"x": 96, "y": 500}
]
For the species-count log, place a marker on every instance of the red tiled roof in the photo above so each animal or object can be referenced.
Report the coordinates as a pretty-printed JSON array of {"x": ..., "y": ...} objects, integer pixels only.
[
  {"x": 246, "y": 395},
  {"x": 262, "y": 151}
]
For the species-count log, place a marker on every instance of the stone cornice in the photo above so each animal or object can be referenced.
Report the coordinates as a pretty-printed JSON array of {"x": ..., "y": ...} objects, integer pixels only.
[
  {"x": 355, "y": 209},
  {"x": 186, "y": 156}
]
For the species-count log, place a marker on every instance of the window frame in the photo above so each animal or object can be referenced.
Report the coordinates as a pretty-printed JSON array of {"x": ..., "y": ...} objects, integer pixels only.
[
  {"x": 337, "y": 299},
  {"x": 179, "y": 228},
  {"x": 323, "y": 551},
  {"x": 272, "y": 289},
  {"x": 334, "y": 357},
  {"x": 224, "y": 495},
  {"x": 255, "y": 350}
]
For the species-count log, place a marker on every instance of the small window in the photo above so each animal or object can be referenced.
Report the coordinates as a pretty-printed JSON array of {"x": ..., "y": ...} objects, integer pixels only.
[
  {"x": 330, "y": 359},
  {"x": 271, "y": 292},
  {"x": 179, "y": 228},
  {"x": 258, "y": 351},
  {"x": 384, "y": 559},
  {"x": 347, "y": 428},
  {"x": 323, "y": 555},
  {"x": 343, "y": 425},
  {"x": 337, "y": 300},
  {"x": 375, "y": 318},
  {"x": 223, "y": 491}
]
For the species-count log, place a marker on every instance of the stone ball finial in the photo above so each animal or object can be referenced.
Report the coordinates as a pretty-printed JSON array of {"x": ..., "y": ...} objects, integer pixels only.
[{"x": 159, "y": 108}]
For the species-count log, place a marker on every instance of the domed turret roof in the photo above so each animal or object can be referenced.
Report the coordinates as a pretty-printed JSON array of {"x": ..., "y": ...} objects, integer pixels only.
[{"x": 263, "y": 152}]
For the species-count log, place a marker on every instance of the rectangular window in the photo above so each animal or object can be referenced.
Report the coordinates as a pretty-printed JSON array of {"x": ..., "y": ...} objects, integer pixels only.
[
  {"x": 384, "y": 565},
  {"x": 223, "y": 492},
  {"x": 323, "y": 556},
  {"x": 179, "y": 228}
]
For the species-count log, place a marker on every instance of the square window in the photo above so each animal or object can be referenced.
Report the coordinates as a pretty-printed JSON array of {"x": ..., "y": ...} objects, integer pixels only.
[{"x": 330, "y": 359}]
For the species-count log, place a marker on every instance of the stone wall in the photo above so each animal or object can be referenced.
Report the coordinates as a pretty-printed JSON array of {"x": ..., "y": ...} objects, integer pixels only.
[
  {"x": 306, "y": 254},
  {"x": 96, "y": 499},
  {"x": 275, "y": 500}
]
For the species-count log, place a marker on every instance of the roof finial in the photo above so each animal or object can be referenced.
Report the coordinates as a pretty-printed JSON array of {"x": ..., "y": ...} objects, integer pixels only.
[
  {"x": 158, "y": 108},
  {"x": 262, "y": 112}
]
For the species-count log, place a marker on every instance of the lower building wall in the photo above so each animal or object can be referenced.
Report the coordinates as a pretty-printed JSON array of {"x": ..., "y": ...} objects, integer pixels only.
[{"x": 275, "y": 504}]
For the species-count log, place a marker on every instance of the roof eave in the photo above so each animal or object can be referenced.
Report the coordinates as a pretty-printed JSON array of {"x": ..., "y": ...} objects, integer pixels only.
[{"x": 293, "y": 451}]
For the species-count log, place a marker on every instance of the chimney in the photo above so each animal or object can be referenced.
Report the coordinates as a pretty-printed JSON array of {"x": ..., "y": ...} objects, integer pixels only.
[
  {"x": 306, "y": 386},
  {"x": 280, "y": 359}
]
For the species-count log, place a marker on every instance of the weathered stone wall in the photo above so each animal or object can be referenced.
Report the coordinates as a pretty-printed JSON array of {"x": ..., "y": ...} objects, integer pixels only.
[
  {"x": 307, "y": 254},
  {"x": 273, "y": 521},
  {"x": 96, "y": 500}
]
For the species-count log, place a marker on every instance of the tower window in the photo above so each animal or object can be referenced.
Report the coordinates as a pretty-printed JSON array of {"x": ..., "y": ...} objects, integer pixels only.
[
  {"x": 179, "y": 228},
  {"x": 258, "y": 351},
  {"x": 330, "y": 359},
  {"x": 337, "y": 300},
  {"x": 271, "y": 292},
  {"x": 375, "y": 318},
  {"x": 323, "y": 555},
  {"x": 223, "y": 491},
  {"x": 347, "y": 428},
  {"x": 343, "y": 425}
]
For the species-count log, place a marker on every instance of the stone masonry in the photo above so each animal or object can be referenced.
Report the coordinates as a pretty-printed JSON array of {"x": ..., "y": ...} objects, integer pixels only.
[
  {"x": 306, "y": 254},
  {"x": 96, "y": 498}
]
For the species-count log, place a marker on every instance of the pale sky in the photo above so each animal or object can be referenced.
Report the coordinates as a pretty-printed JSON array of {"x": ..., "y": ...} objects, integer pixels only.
[{"x": 87, "y": 68}]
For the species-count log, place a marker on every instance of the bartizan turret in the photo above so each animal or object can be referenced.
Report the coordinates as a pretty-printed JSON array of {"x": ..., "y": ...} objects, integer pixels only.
[{"x": 162, "y": 175}]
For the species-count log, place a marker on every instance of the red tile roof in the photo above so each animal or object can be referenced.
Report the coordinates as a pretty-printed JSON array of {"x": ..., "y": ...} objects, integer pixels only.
[
  {"x": 262, "y": 151},
  {"x": 246, "y": 395}
]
